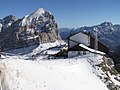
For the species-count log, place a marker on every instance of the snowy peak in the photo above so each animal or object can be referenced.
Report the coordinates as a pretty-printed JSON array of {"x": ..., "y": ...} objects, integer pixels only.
[
  {"x": 105, "y": 24},
  {"x": 38, "y": 15},
  {"x": 39, "y": 11}
]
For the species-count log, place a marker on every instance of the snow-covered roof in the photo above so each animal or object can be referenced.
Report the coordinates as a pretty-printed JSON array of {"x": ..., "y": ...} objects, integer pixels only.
[{"x": 91, "y": 50}]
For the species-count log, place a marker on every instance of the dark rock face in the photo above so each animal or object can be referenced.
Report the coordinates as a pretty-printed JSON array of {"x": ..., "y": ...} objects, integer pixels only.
[
  {"x": 38, "y": 27},
  {"x": 8, "y": 20}
]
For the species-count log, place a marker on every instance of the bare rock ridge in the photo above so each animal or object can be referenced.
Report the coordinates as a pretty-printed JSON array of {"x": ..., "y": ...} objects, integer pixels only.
[{"x": 38, "y": 27}]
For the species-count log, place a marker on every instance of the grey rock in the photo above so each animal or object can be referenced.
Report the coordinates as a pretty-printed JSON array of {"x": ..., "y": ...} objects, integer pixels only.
[{"x": 39, "y": 27}]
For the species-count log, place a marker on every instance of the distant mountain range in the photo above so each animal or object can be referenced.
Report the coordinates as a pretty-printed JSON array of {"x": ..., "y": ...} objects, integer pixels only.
[
  {"x": 107, "y": 33},
  {"x": 38, "y": 27}
]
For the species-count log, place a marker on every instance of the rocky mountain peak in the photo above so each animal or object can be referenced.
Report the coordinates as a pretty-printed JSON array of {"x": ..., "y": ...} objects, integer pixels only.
[
  {"x": 39, "y": 26},
  {"x": 40, "y": 15},
  {"x": 36, "y": 14},
  {"x": 39, "y": 11},
  {"x": 105, "y": 24},
  {"x": 9, "y": 19}
]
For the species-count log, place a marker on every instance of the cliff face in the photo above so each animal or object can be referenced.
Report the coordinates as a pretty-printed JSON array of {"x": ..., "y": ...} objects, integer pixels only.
[{"x": 38, "y": 27}]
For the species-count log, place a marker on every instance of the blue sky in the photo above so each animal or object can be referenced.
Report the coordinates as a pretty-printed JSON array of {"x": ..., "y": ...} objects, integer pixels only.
[{"x": 68, "y": 13}]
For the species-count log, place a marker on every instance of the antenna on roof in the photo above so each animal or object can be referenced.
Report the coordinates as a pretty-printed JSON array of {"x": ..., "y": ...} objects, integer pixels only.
[{"x": 96, "y": 38}]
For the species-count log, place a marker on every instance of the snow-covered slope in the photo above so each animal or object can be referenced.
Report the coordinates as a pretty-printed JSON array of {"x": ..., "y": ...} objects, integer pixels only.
[
  {"x": 39, "y": 51},
  {"x": 87, "y": 72},
  {"x": 67, "y": 74}
]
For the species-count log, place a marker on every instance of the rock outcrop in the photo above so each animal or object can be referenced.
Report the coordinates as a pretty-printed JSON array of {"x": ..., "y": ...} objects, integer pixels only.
[{"x": 38, "y": 27}]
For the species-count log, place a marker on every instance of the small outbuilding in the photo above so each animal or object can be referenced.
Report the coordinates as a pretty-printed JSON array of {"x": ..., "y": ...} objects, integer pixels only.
[{"x": 82, "y": 43}]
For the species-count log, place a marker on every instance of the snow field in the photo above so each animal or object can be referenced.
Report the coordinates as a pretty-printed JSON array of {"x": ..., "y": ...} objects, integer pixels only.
[{"x": 61, "y": 74}]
